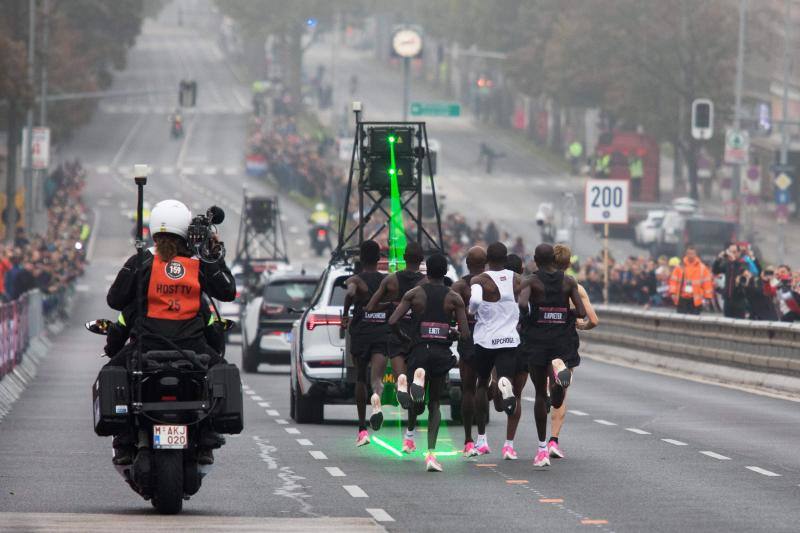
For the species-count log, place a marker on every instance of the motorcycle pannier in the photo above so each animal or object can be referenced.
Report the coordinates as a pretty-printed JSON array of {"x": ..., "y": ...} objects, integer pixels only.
[
  {"x": 225, "y": 392},
  {"x": 111, "y": 396}
]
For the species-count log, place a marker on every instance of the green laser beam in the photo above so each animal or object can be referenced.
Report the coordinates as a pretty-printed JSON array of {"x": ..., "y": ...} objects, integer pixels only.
[
  {"x": 380, "y": 442},
  {"x": 397, "y": 232}
]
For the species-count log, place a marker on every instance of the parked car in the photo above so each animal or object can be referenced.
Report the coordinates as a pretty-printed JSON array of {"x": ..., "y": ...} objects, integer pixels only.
[
  {"x": 646, "y": 231},
  {"x": 709, "y": 235},
  {"x": 268, "y": 318},
  {"x": 322, "y": 371}
]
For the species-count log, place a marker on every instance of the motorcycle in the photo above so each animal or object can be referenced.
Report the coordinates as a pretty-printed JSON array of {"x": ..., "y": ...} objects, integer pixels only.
[
  {"x": 320, "y": 240},
  {"x": 170, "y": 401}
]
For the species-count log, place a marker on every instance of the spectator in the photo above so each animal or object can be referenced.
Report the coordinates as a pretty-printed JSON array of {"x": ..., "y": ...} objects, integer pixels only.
[
  {"x": 761, "y": 293},
  {"x": 729, "y": 263},
  {"x": 788, "y": 297},
  {"x": 690, "y": 284}
]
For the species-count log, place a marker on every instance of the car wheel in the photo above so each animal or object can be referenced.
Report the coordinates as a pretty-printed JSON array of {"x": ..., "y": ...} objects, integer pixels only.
[
  {"x": 249, "y": 360},
  {"x": 308, "y": 410},
  {"x": 292, "y": 412}
]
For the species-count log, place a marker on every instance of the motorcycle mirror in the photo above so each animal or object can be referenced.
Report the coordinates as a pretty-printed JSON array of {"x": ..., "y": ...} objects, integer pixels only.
[
  {"x": 228, "y": 325},
  {"x": 99, "y": 326}
]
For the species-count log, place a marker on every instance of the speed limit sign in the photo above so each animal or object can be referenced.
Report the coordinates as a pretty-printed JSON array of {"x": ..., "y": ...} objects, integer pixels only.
[{"x": 606, "y": 202}]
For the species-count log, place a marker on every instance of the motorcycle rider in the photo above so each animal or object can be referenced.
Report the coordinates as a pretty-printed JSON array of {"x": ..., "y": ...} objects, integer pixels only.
[
  {"x": 173, "y": 281},
  {"x": 176, "y": 123},
  {"x": 320, "y": 219}
]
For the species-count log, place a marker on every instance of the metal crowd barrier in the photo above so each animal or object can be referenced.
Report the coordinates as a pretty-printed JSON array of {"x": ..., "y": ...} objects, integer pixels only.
[
  {"x": 757, "y": 345},
  {"x": 20, "y": 321}
]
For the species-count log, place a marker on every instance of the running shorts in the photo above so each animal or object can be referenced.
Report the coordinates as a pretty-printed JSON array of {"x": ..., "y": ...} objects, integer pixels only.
[
  {"x": 436, "y": 359},
  {"x": 504, "y": 359}
]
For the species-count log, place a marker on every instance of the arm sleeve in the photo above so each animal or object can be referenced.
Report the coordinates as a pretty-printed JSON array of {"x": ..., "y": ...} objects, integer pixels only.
[
  {"x": 123, "y": 290},
  {"x": 217, "y": 281},
  {"x": 475, "y": 299}
]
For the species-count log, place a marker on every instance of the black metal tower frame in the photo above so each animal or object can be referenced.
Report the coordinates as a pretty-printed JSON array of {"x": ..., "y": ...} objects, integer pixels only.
[
  {"x": 349, "y": 241},
  {"x": 260, "y": 246}
]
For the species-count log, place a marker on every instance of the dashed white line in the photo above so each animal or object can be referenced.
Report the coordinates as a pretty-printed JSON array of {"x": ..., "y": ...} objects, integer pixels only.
[
  {"x": 210, "y": 170},
  {"x": 248, "y": 391},
  {"x": 759, "y": 470},
  {"x": 263, "y": 404},
  {"x": 256, "y": 398},
  {"x": 604, "y": 422},
  {"x": 355, "y": 491},
  {"x": 230, "y": 171},
  {"x": 379, "y": 515},
  {"x": 714, "y": 455},
  {"x": 102, "y": 170},
  {"x": 578, "y": 413},
  {"x": 292, "y": 431},
  {"x": 281, "y": 421},
  {"x": 318, "y": 455},
  {"x": 674, "y": 442},
  {"x": 638, "y": 431},
  {"x": 168, "y": 170},
  {"x": 304, "y": 442},
  {"x": 273, "y": 412},
  {"x": 335, "y": 471}
]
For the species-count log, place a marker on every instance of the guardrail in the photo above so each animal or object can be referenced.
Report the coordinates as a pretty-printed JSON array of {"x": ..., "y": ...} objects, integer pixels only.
[
  {"x": 758, "y": 345},
  {"x": 20, "y": 321}
]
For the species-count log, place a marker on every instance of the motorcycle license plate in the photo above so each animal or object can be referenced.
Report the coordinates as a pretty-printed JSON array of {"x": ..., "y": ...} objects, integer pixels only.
[{"x": 170, "y": 437}]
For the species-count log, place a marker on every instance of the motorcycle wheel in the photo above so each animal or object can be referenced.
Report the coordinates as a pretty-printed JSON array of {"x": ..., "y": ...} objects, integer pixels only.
[{"x": 168, "y": 489}]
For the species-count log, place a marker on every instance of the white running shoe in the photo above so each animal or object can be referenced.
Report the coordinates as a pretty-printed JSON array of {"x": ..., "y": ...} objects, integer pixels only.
[
  {"x": 431, "y": 464},
  {"x": 507, "y": 392},
  {"x": 376, "y": 419}
]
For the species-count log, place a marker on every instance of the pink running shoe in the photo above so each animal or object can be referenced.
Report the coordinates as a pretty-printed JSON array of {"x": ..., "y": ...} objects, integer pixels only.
[
  {"x": 431, "y": 464},
  {"x": 508, "y": 453},
  {"x": 409, "y": 446},
  {"x": 470, "y": 450},
  {"x": 483, "y": 449},
  {"x": 363, "y": 438},
  {"x": 542, "y": 459},
  {"x": 554, "y": 450}
]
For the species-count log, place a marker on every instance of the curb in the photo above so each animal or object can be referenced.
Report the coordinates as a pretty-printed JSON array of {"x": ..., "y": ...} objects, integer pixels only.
[{"x": 765, "y": 383}]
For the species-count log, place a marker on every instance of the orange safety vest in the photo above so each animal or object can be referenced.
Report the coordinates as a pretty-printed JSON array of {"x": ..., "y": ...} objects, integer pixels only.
[
  {"x": 691, "y": 280},
  {"x": 174, "y": 289}
]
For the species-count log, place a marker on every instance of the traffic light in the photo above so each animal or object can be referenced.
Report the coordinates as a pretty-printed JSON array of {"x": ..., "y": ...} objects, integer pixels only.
[
  {"x": 702, "y": 119},
  {"x": 187, "y": 93}
]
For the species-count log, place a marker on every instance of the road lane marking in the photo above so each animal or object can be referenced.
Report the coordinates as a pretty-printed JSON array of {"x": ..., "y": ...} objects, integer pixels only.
[
  {"x": 273, "y": 412},
  {"x": 517, "y": 481},
  {"x": 638, "y": 431},
  {"x": 102, "y": 169},
  {"x": 335, "y": 471},
  {"x": 230, "y": 171},
  {"x": 125, "y": 142},
  {"x": 292, "y": 431},
  {"x": 604, "y": 422},
  {"x": 168, "y": 170},
  {"x": 304, "y": 442},
  {"x": 485, "y": 465},
  {"x": 763, "y": 472},
  {"x": 551, "y": 500},
  {"x": 593, "y": 522},
  {"x": 256, "y": 398},
  {"x": 318, "y": 455},
  {"x": 715, "y": 455},
  {"x": 281, "y": 421},
  {"x": 248, "y": 391},
  {"x": 355, "y": 491},
  {"x": 379, "y": 515},
  {"x": 209, "y": 171},
  {"x": 674, "y": 442},
  {"x": 578, "y": 413},
  {"x": 264, "y": 404}
]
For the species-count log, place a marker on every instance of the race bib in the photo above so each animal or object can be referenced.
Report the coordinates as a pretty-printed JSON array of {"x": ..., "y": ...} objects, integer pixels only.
[
  {"x": 378, "y": 317},
  {"x": 687, "y": 289},
  {"x": 434, "y": 330},
  {"x": 552, "y": 315}
]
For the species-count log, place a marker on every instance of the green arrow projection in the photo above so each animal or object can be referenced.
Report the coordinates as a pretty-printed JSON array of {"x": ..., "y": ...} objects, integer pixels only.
[{"x": 397, "y": 232}]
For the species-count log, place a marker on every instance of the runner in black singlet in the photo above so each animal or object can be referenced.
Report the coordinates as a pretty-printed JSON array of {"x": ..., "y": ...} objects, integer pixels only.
[
  {"x": 368, "y": 337},
  {"x": 545, "y": 303},
  {"x": 476, "y": 264},
  {"x": 434, "y": 306}
]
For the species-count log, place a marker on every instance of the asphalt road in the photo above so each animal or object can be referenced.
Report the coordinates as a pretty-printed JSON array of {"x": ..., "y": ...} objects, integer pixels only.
[{"x": 645, "y": 452}]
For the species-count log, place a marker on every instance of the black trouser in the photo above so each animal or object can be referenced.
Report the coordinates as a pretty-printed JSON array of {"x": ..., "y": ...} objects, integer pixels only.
[
  {"x": 686, "y": 307},
  {"x": 733, "y": 309}
]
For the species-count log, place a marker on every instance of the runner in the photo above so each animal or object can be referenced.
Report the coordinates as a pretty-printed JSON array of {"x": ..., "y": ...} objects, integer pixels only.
[
  {"x": 557, "y": 393},
  {"x": 508, "y": 452},
  {"x": 368, "y": 337},
  {"x": 544, "y": 303},
  {"x": 492, "y": 300},
  {"x": 387, "y": 298},
  {"x": 433, "y": 307},
  {"x": 476, "y": 263}
]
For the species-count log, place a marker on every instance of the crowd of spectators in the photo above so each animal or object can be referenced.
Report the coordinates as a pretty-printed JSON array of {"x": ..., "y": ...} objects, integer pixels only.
[{"x": 49, "y": 262}]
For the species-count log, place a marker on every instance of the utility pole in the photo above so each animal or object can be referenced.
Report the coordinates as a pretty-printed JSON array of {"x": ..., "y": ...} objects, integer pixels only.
[
  {"x": 784, "y": 156},
  {"x": 43, "y": 65},
  {"x": 737, "y": 117},
  {"x": 28, "y": 171}
]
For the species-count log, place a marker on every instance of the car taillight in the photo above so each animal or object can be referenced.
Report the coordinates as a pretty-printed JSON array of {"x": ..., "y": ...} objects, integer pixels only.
[
  {"x": 271, "y": 309},
  {"x": 315, "y": 320},
  {"x": 168, "y": 398},
  {"x": 238, "y": 294}
]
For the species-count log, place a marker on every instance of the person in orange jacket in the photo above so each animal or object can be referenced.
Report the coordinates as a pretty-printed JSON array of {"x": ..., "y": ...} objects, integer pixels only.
[{"x": 690, "y": 284}]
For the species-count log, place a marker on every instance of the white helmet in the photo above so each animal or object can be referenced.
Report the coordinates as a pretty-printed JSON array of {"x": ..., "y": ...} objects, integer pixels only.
[{"x": 170, "y": 216}]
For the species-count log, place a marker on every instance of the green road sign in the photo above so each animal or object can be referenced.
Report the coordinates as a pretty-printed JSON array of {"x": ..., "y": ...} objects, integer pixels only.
[{"x": 435, "y": 109}]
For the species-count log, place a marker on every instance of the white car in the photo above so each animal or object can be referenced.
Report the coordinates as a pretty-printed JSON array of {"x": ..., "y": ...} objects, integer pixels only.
[
  {"x": 646, "y": 231},
  {"x": 321, "y": 373}
]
